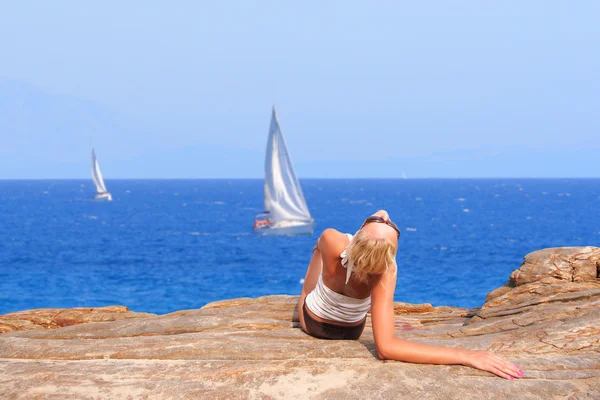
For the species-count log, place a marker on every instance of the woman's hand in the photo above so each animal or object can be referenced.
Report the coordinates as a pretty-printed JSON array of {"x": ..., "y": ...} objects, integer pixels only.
[{"x": 488, "y": 361}]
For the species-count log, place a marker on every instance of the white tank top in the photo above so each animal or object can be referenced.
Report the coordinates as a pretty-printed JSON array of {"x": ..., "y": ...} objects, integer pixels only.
[{"x": 333, "y": 306}]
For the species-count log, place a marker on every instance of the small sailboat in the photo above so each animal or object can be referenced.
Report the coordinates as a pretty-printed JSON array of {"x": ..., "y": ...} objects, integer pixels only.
[
  {"x": 102, "y": 193},
  {"x": 286, "y": 212}
]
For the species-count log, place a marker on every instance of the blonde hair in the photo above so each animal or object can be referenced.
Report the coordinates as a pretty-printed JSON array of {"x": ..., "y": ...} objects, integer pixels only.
[{"x": 370, "y": 256}]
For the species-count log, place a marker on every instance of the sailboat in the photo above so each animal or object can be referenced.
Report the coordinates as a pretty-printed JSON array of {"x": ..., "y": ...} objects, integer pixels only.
[
  {"x": 102, "y": 193},
  {"x": 286, "y": 212}
]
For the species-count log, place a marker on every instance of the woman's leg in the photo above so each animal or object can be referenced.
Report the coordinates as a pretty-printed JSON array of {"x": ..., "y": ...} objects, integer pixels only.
[{"x": 315, "y": 267}]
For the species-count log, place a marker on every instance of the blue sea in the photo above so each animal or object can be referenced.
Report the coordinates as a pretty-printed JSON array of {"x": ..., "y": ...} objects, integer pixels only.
[{"x": 166, "y": 245}]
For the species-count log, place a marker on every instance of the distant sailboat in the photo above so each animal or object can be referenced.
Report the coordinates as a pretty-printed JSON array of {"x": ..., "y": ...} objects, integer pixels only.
[
  {"x": 286, "y": 212},
  {"x": 404, "y": 176},
  {"x": 98, "y": 181}
]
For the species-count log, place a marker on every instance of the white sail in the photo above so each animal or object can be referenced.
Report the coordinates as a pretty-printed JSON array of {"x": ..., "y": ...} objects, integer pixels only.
[
  {"x": 284, "y": 199},
  {"x": 97, "y": 175}
]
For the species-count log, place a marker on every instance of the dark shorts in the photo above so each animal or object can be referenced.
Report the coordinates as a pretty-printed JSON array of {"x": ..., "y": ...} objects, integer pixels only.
[{"x": 322, "y": 330}]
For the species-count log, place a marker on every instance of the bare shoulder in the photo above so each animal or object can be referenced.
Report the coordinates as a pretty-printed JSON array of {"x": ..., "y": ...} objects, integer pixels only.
[
  {"x": 332, "y": 241},
  {"x": 332, "y": 234}
]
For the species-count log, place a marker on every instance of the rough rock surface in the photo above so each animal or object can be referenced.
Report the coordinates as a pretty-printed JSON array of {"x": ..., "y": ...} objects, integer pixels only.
[
  {"x": 546, "y": 319},
  {"x": 53, "y": 318}
]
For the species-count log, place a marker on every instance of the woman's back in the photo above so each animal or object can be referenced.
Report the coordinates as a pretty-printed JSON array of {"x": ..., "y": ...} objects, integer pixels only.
[{"x": 334, "y": 273}]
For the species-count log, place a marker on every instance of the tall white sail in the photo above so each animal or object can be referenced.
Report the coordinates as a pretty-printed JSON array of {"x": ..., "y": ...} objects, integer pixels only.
[
  {"x": 284, "y": 199},
  {"x": 97, "y": 175}
]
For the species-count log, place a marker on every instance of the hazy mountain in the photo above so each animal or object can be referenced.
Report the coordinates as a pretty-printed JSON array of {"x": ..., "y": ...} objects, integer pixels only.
[
  {"x": 44, "y": 130},
  {"x": 46, "y": 135}
]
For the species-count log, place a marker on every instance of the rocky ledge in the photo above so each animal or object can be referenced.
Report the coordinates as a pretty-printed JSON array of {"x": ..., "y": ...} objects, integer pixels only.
[{"x": 546, "y": 319}]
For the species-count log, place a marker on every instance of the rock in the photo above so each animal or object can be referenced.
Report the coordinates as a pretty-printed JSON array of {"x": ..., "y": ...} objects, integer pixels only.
[
  {"x": 546, "y": 319},
  {"x": 53, "y": 318},
  {"x": 571, "y": 264}
]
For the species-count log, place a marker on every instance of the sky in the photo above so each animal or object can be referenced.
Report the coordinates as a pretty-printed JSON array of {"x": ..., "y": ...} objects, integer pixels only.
[{"x": 453, "y": 89}]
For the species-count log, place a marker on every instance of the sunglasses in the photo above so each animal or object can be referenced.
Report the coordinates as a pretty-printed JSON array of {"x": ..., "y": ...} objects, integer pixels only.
[{"x": 377, "y": 218}]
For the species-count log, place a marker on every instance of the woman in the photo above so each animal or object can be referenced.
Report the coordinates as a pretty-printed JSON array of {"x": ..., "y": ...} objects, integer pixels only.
[{"x": 350, "y": 275}]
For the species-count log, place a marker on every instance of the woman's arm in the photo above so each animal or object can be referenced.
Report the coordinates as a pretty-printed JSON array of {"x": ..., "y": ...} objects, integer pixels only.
[{"x": 392, "y": 348}]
